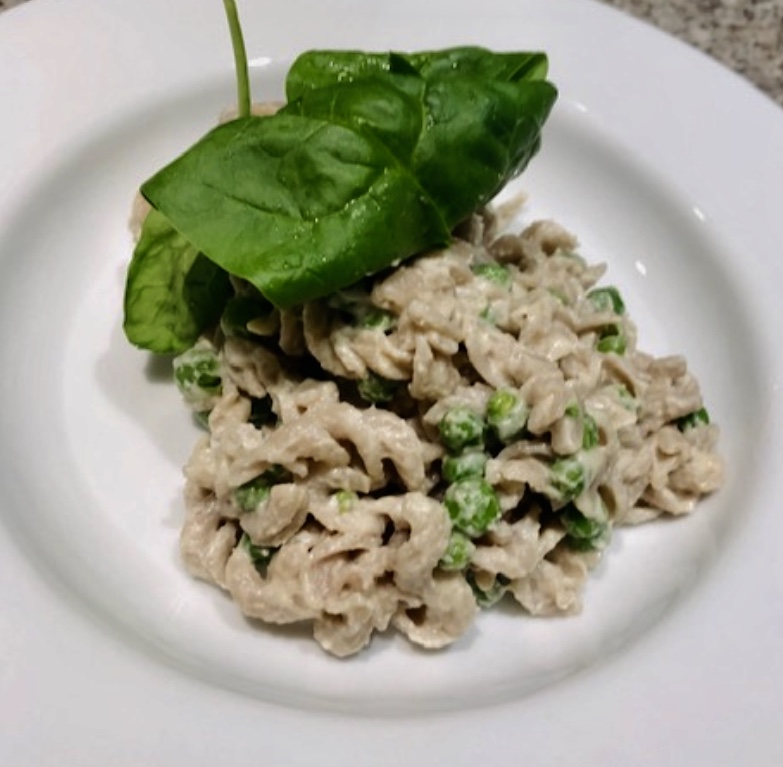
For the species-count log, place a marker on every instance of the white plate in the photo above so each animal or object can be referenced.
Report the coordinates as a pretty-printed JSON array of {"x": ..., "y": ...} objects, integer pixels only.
[{"x": 667, "y": 166}]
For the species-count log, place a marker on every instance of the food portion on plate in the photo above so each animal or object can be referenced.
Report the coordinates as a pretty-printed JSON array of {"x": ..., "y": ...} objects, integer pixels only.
[{"x": 412, "y": 410}]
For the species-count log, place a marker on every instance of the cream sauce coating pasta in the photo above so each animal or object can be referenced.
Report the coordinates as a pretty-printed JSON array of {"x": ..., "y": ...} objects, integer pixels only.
[{"x": 351, "y": 533}]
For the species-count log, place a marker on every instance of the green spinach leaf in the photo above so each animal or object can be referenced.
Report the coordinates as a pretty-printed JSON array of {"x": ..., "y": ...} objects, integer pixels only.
[
  {"x": 478, "y": 136},
  {"x": 375, "y": 158},
  {"x": 172, "y": 291},
  {"x": 462, "y": 137},
  {"x": 387, "y": 107},
  {"x": 322, "y": 68},
  {"x": 353, "y": 177},
  {"x": 297, "y": 206}
]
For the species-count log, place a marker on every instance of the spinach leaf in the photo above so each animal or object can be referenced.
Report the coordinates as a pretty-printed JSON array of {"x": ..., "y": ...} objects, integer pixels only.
[
  {"x": 471, "y": 60},
  {"x": 297, "y": 206},
  {"x": 375, "y": 158},
  {"x": 321, "y": 68},
  {"x": 478, "y": 136},
  {"x": 388, "y": 107},
  {"x": 172, "y": 291},
  {"x": 352, "y": 177},
  {"x": 463, "y": 138}
]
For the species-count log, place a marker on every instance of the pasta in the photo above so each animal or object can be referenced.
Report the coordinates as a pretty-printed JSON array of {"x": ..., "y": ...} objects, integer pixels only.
[{"x": 341, "y": 480}]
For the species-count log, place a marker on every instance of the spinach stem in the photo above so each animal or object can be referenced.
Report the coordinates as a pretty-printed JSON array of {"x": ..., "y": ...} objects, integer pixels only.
[{"x": 240, "y": 58}]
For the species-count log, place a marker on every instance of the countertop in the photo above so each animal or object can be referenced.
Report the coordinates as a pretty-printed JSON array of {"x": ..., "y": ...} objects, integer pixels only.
[{"x": 745, "y": 35}]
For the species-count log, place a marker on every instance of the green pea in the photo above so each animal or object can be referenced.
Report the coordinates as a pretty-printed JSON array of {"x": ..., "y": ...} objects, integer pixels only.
[
  {"x": 493, "y": 272},
  {"x": 261, "y": 555},
  {"x": 472, "y": 506},
  {"x": 471, "y": 463},
  {"x": 458, "y": 552},
  {"x": 460, "y": 428},
  {"x": 377, "y": 319},
  {"x": 345, "y": 500},
  {"x": 374, "y": 388},
  {"x": 252, "y": 494},
  {"x": 506, "y": 415},
  {"x": 607, "y": 299},
  {"x": 612, "y": 340},
  {"x": 256, "y": 492},
  {"x": 590, "y": 434},
  {"x": 567, "y": 478},
  {"x": 197, "y": 375},
  {"x": 698, "y": 417},
  {"x": 584, "y": 533}
]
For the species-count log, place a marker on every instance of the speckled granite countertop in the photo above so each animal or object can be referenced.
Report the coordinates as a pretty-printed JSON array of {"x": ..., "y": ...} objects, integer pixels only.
[{"x": 745, "y": 35}]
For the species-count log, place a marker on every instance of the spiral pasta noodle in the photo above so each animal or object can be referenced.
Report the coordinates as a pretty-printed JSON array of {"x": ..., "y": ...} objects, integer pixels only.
[{"x": 326, "y": 485}]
